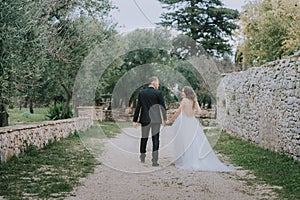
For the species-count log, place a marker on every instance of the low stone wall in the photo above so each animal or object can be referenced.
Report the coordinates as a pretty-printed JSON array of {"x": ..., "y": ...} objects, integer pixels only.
[
  {"x": 13, "y": 139},
  {"x": 94, "y": 112},
  {"x": 262, "y": 105},
  {"x": 97, "y": 113}
]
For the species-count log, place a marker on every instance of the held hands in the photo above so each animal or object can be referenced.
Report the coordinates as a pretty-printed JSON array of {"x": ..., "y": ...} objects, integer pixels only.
[
  {"x": 168, "y": 122},
  {"x": 135, "y": 124}
]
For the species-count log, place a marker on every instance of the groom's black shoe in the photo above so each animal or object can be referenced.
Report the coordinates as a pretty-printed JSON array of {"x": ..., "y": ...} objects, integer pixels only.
[
  {"x": 154, "y": 159},
  {"x": 142, "y": 157}
]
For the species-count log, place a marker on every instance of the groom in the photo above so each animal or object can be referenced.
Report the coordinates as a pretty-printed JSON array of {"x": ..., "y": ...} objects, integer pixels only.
[{"x": 150, "y": 110}]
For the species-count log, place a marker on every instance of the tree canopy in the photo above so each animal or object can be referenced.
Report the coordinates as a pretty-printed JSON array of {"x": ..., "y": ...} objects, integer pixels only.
[
  {"x": 206, "y": 21},
  {"x": 43, "y": 44},
  {"x": 270, "y": 29}
]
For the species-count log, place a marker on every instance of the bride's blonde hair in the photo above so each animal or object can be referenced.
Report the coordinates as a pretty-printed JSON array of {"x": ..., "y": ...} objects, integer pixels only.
[{"x": 190, "y": 94}]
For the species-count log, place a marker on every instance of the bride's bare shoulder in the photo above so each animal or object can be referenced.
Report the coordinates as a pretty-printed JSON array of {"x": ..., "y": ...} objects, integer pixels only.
[{"x": 185, "y": 100}]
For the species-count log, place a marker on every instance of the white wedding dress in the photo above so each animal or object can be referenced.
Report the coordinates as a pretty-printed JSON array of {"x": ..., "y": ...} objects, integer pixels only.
[{"x": 192, "y": 149}]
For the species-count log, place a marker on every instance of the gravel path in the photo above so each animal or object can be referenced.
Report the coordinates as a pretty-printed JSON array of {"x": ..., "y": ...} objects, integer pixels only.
[{"x": 122, "y": 176}]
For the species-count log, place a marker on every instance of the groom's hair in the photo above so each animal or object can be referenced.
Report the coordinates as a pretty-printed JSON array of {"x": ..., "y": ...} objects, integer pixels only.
[{"x": 153, "y": 79}]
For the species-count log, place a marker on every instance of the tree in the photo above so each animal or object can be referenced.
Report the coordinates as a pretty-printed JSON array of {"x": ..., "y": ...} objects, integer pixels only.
[
  {"x": 291, "y": 14},
  {"x": 39, "y": 39},
  {"x": 271, "y": 30},
  {"x": 75, "y": 27},
  {"x": 13, "y": 24},
  {"x": 72, "y": 43},
  {"x": 143, "y": 47},
  {"x": 150, "y": 52},
  {"x": 205, "y": 21}
]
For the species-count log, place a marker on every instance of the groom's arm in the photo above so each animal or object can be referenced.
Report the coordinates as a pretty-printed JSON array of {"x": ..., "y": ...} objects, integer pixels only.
[
  {"x": 137, "y": 111},
  {"x": 162, "y": 103}
]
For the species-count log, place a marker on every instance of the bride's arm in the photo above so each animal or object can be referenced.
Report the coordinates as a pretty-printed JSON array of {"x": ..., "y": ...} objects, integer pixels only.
[
  {"x": 199, "y": 110},
  {"x": 175, "y": 114}
]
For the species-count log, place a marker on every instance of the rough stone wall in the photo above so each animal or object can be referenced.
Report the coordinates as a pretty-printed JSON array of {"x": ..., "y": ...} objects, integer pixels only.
[
  {"x": 13, "y": 139},
  {"x": 262, "y": 105},
  {"x": 93, "y": 112}
]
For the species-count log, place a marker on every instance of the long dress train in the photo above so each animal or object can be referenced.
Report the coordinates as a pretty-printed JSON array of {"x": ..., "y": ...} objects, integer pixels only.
[{"x": 192, "y": 149}]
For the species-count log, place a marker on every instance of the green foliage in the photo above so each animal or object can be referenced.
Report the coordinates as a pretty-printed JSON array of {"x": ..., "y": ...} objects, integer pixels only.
[
  {"x": 55, "y": 112},
  {"x": 271, "y": 30},
  {"x": 78, "y": 37},
  {"x": 145, "y": 47},
  {"x": 205, "y": 21},
  {"x": 156, "y": 52},
  {"x": 196, "y": 81},
  {"x": 26, "y": 114},
  {"x": 30, "y": 150},
  {"x": 42, "y": 47},
  {"x": 272, "y": 168}
]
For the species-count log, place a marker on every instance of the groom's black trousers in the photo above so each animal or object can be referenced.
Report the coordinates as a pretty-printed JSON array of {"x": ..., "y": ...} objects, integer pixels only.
[{"x": 155, "y": 127}]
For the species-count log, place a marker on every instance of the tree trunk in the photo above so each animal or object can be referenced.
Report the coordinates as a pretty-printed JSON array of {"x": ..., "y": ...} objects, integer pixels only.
[
  {"x": 194, "y": 31},
  {"x": 65, "y": 110},
  {"x": 69, "y": 96},
  {"x": 30, "y": 106},
  {"x": 26, "y": 102},
  {"x": 3, "y": 115}
]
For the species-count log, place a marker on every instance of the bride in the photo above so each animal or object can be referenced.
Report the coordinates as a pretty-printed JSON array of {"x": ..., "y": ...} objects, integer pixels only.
[{"x": 192, "y": 149}]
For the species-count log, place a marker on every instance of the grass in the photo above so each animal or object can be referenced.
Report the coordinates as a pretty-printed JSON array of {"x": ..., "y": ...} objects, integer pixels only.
[
  {"x": 51, "y": 172},
  {"x": 94, "y": 140},
  {"x": 23, "y": 116},
  {"x": 111, "y": 129},
  {"x": 269, "y": 167}
]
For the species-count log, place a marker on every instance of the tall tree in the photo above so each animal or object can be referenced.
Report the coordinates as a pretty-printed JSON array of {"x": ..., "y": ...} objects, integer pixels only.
[
  {"x": 206, "y": 21},
  {"x": 149, "y": 52},
  {"x": 72, "y": 43},
  {"x": 13, "y": 25},
  {"x": 144, "y": 47},
  {"x": 75, "y": 27},
  {"x": 271, "y": 29},
  {"x": 39, "y": 39}
]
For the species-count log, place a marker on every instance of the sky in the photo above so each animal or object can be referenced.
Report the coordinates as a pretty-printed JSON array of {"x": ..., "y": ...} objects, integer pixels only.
[{"x": 133, "y": 14}]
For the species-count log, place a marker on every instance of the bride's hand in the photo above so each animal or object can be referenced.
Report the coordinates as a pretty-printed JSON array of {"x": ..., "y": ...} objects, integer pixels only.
[{"x": 168, "y": 122}]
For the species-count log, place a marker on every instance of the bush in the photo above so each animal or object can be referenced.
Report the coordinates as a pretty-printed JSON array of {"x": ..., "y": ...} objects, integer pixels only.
[
  {"x": 26, "y": 114},
  {"x": 54, "y": 112}
]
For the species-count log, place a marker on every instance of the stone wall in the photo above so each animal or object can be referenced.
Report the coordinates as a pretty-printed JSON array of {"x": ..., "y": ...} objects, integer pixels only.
[
  {"x": 98, "y": 113},
  {"x": 94, "y": 112},
  {"x": 262, "y": 105},
  {"x": 13, "y": 139}
]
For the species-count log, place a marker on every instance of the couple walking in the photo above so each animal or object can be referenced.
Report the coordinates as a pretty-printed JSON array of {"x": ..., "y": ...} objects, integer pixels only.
[{"x": 192, "y": 149}]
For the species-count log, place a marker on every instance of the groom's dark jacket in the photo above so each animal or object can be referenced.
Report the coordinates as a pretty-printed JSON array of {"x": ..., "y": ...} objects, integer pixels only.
[{"x": 150, "y": 107}]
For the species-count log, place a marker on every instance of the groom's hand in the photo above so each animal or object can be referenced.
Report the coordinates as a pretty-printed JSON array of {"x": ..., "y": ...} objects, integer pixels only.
[{"x": 135, "y": 124}]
